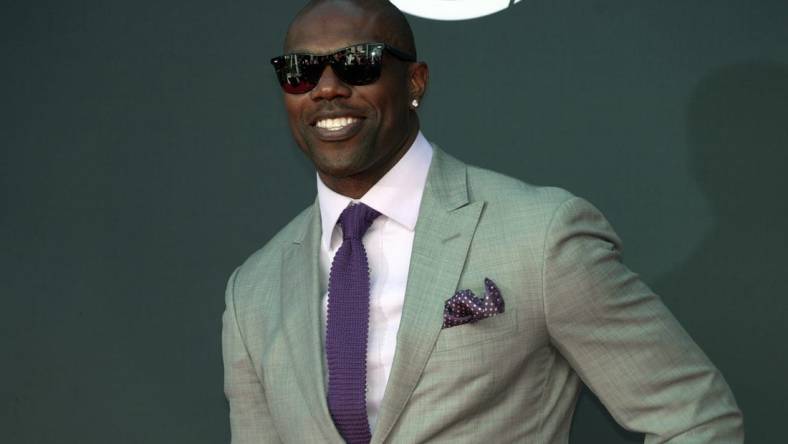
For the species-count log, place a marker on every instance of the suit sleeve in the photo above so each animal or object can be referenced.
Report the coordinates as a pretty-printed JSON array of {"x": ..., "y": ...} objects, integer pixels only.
[
  {"x": 250, "y": 419},
  {"x": 622, "y": 340}
]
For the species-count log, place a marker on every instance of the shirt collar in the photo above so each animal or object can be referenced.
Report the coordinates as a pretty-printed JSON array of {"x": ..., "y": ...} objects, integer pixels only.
[{"x": 397, "y": 195}]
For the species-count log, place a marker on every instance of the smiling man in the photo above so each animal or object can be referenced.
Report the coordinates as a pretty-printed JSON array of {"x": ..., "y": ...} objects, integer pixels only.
[
  {"x": 420, "y": 299},
  {"x": 354, "y": 134}
]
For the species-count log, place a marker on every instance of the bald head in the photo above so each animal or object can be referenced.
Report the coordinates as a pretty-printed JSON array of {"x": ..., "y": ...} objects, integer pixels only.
[{"x": 383, "y": 20}]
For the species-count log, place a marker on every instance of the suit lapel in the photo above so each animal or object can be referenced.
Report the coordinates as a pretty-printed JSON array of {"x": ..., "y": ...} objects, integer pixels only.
[
  {"x": 443, "y": 234},
  {"x": 301, "y": 302}
]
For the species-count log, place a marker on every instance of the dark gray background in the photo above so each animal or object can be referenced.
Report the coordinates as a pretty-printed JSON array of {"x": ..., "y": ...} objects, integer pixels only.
[{"x": 145, "y": 154}]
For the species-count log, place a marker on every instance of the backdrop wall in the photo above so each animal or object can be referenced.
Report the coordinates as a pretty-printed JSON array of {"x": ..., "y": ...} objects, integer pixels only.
[{"x": 143, "y": 145}]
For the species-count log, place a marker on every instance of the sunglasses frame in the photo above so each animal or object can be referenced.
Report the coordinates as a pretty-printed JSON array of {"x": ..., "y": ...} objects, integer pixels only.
[{"x": 337, "y": 60}]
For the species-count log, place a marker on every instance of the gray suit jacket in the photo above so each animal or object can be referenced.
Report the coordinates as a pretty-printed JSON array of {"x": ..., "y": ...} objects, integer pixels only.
[{"x": 574, "y": 313}]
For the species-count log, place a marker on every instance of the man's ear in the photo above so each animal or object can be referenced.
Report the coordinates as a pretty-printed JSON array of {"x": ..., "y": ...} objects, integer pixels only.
[{"x": 418, "y": 78}]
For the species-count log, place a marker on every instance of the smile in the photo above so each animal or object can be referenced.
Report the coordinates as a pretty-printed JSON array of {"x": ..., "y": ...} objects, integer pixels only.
[
  {"x": 337, "y": 124},
  {"x": 335, "y": 129}
]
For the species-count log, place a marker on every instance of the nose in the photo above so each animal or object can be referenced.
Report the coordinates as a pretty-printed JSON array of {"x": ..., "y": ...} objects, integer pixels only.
[{"x": 330, "y": 86}]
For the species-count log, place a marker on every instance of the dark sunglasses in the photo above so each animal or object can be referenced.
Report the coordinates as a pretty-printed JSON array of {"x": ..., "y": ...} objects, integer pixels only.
[{"x": 355, "y": 65}]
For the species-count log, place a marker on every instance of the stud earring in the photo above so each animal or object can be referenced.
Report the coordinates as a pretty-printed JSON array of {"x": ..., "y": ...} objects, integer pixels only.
[{"x": 415, "y": 103}]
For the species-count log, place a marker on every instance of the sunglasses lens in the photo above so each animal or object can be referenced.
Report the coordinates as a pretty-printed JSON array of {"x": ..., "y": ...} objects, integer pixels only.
[
  {"x": 358, "y": 65},
  {"x": 297, "y": 73}
]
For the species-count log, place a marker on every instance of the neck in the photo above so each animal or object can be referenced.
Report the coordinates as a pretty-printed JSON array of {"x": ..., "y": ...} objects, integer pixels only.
[{"x": 355, "y": 186}]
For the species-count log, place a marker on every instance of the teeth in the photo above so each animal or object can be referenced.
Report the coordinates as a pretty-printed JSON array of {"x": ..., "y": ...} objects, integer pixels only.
[{"x": 336, "y": 124}]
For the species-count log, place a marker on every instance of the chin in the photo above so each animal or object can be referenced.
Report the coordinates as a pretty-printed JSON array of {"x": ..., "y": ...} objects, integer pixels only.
[
  {"x": 339, "y": 164},
  {"x": 338, "y": 171}
]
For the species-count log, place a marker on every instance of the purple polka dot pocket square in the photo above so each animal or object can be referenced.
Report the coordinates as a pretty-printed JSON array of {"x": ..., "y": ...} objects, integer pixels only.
[{"x": 464, "y": 307}]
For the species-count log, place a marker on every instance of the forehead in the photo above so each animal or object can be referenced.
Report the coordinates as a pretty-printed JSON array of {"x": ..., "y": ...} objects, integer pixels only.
[{"x": 330, "y": 27}]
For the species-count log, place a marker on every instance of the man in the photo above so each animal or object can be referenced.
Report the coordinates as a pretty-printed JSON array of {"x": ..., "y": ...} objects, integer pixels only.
[{"x": 402, "y": 354}]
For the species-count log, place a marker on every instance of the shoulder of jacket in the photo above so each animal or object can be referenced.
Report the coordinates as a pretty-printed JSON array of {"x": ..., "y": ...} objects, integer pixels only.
[
  {"x": 267, "y": 259},
  {"x": 498, "y": 188}
]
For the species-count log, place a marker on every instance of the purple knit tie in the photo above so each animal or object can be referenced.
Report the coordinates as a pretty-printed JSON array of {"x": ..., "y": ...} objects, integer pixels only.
[{"x": 347, "y": 327}]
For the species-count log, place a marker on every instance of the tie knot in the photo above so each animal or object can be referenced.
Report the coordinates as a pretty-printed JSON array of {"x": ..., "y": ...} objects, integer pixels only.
[{"x": 356, "y": 220}]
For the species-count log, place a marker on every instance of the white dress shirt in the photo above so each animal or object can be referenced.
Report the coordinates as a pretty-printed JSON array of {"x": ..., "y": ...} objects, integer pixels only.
[{"x": 388, "y": 242}]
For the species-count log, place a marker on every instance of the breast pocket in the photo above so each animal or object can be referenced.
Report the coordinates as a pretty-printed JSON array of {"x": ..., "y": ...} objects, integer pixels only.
[{"x": 477, "y": 333}]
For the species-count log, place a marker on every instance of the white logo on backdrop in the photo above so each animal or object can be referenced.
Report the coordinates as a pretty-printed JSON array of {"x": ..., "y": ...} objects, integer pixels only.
[{"x": 452, "y": 9}]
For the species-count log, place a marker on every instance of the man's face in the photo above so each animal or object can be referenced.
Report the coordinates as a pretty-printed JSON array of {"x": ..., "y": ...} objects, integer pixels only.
[{"x": 349, "y": 132}]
